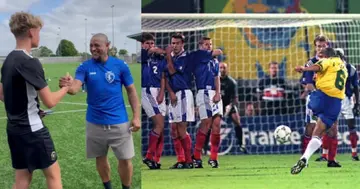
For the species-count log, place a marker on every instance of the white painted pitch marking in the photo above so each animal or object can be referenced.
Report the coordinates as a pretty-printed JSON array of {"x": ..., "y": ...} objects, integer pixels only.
[
  {"x": 58, "y": 112},
  {"x": 82, "y": 104},
  {"x": 68, "y": 111},
  {"x": 74, "y": 103}
]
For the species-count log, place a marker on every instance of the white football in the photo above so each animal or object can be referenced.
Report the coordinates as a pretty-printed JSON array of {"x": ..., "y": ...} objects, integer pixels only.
[{"x": 282, "y": 134}]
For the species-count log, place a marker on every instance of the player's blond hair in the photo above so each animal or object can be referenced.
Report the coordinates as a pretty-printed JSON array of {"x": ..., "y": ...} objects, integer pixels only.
[{"x": 21, "y": 22}]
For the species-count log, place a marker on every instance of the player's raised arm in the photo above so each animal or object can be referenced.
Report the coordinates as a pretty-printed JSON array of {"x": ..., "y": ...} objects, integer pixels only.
[
  {"x": 170, "y": 63},
  {"x": 148, "y": 47},
  {"x": 33, "y": 73},
  {"x": 312, "y": 68},
  {"x": 50, "y": 99},
  {"x": 156, "y": 50},
  {"x": 217, "y": 52},
  {"x": 322, "y": 64}
]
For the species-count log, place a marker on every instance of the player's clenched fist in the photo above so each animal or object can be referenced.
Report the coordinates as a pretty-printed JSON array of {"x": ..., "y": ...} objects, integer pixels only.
[
  {"x": 66, "y": 81},
  {"x": 160, "y": 98},
  {"x": 156, "y": 50},
  {"x": 217, "y": 98},
  {"x": 135, "y": 125},
  {"x": 169, "y": 49},
  {"x": 299, "y": 68},
  {"x": 173, "y": 99}
]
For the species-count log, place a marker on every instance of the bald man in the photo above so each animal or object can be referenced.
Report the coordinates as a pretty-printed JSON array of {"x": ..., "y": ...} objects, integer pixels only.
[
  {"x": 229, "y": 92},
  {"x": 107, "y": 123},
  {"x": 230, "y": 102}
]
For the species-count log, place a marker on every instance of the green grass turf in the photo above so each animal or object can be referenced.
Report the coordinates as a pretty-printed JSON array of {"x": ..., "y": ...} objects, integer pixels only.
[
  {"x": 254, "y": 172},
  {"x": 68, "y": 132}
]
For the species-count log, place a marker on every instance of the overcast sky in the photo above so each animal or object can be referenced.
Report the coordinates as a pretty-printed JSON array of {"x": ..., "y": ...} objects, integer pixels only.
[{"x": 69, "y": 16}]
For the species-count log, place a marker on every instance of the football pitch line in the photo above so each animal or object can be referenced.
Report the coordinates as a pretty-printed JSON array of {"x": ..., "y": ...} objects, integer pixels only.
[
  {"x": 82, "y": 104},
  {"x": 74, "y": 103},
  {"x": 59, "y": 112},
  {"x": 68, "y": 111}
]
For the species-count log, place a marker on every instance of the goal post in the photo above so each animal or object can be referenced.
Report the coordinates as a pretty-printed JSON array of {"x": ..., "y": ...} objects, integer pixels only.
[{"x": 250, "y": 42}]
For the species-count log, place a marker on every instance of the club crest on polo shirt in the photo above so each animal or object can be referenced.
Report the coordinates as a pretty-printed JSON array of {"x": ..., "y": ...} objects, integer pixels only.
[{"x": 110, "y": 76}]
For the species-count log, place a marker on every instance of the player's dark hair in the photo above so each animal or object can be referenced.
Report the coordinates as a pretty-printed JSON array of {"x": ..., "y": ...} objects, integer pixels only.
[
  {"x": 147, "y": 37},
  {"x": 201, "y": 41},
  {"x": 179, "y": 36},
  {"x": 273, "y": 63},
  {"x": 329, "y": 52},
  {"x": 321, "y": 38}
]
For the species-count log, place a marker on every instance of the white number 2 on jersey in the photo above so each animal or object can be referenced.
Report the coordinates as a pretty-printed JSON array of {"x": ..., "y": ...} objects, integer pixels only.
[{"x": 155, "y": 70}]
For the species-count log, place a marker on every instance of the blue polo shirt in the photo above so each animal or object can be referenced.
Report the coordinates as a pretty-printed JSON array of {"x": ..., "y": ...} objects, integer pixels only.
[{"x": 104, "y": 83}]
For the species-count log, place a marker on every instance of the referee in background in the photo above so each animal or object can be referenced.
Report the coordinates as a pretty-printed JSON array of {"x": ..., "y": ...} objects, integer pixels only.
[{"x": 229, "y": 96}]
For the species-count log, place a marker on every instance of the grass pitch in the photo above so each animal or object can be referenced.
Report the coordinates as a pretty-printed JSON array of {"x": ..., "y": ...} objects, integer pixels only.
[
  {"x": 255, "y": 172},
  {"x": 67, "y": 127}
]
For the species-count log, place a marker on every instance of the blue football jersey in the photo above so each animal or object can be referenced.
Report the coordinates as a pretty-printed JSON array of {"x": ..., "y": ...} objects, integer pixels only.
[
  {"x": 183, "y": 78},
  {"x": 205, "y": 70},
  {"x": 351, "y": 81},
  {"x": 151, "y": 69}
]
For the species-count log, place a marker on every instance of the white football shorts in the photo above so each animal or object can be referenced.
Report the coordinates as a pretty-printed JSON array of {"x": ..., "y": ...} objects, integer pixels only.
[
  {"x": 347, "y": 106},
  {"x": 149, "y": 102},
  {"x": 309, "y": 116},
  {"x": 207, "y": 108},
  {"x": 184, "y": 110}
]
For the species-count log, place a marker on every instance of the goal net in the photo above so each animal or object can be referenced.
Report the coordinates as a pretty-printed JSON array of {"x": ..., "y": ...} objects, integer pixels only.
[{"x": 250, "y": 42}]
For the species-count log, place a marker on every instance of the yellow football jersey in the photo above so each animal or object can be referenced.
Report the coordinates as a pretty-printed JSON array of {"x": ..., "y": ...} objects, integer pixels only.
[{"x": 332, "y": 77}]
